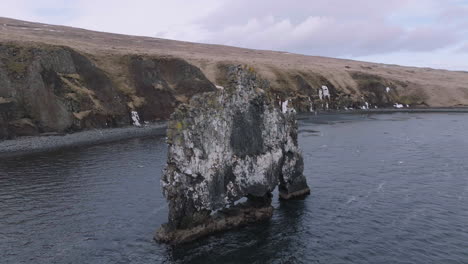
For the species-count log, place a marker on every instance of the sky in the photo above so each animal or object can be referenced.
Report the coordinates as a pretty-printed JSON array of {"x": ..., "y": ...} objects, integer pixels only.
[{"x": 423, "y": 33}]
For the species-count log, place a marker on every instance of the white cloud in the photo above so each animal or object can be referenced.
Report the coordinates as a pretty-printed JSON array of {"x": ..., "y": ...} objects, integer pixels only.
[
  {"x": 445, "y": 59},
  {"x": 46, "y": 11},
  {"x": 464, "y": 48},
  {"x": 321, "y": 35},
  {"x": 140, "y": 17}
]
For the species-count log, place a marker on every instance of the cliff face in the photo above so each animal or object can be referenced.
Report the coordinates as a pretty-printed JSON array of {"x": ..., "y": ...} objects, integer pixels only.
[
  {"x": 47, "y": 88},
  {"x": 56, "y": 79},
  {"x": 224, "y": 146},
  {"x": 55, "y": 89}
]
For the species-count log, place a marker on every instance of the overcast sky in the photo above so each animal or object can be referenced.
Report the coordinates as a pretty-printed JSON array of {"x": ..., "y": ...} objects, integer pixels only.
[{"x": 427, "y": 33}]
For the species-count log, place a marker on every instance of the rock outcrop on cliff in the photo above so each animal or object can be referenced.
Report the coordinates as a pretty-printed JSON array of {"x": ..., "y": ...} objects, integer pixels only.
[
  {"x": 224, "y": 146},
  {"x": 46, "y": 88}
]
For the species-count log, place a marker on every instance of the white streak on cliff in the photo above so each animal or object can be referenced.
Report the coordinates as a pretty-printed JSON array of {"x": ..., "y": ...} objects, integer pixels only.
[
  {"x": 326, "y": 92},
  {"x": 311, "y": 105},
  {"x": 136, "y": 119},
  {"x": 284, "y": 107}
]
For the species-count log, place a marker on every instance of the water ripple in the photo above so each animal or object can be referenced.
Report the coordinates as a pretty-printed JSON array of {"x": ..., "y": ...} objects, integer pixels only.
[{"x": 385, "y": 189}]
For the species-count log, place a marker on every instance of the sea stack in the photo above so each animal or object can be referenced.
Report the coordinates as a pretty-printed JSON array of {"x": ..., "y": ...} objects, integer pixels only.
[{"x": 227, "y": 146}]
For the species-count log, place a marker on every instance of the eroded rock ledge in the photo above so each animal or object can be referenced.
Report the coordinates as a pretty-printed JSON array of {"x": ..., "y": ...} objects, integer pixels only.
[{"x": 226, "y": 146}]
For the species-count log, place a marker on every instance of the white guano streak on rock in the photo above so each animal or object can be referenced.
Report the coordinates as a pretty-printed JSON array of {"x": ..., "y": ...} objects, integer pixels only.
[
  {"x": 136, "y": 119},
  {"x": 284, "y": 107},
  {"x": 326, "y": 92},
  {"x": 311, "y": 105}
]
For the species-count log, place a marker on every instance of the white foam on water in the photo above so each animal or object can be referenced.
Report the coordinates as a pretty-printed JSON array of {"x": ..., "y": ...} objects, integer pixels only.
[
  {"x": 380, "y": 186},
  {"x": 352, "y": 199}
]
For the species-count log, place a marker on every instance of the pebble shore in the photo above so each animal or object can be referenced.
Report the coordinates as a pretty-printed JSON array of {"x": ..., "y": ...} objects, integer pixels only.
[{"x": 27, "y": 145}]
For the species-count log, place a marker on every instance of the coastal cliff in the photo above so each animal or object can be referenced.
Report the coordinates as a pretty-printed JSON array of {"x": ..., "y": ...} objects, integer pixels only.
[
  {"x": 235, "y": 143},
  {"x": 60, "y": 79},
  {"x": 47, "y": 88}
]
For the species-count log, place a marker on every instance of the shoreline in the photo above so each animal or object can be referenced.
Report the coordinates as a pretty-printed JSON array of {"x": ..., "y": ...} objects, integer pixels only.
[
  {"x": 46, "y": 143},
  {"x": 398, "y": 110},
  {"x": 441, "y": 110},
  {"x": 417, "y": 110},
  {"x": 38, "y": 144}
]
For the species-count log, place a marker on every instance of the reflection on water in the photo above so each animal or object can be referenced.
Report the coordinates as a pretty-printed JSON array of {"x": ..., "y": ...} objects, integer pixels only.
[{"x": 385, "y": 189}]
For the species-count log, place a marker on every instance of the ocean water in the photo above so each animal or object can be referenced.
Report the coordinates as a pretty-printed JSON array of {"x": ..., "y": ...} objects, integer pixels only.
[{"x": 386, "y": 188}]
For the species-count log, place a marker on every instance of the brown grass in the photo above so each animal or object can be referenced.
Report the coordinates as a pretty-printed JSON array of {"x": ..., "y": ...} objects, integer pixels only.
[{"x": 81, "y": 115}]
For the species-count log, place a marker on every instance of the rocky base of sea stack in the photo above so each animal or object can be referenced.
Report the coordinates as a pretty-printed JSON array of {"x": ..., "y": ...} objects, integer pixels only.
[
  {"x": 301, "y": 194},
  {"x": 223, "y": 220}
]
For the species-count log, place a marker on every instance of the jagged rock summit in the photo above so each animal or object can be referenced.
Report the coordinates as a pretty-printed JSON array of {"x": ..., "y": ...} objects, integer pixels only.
[{"x": 225, "y": 146}]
